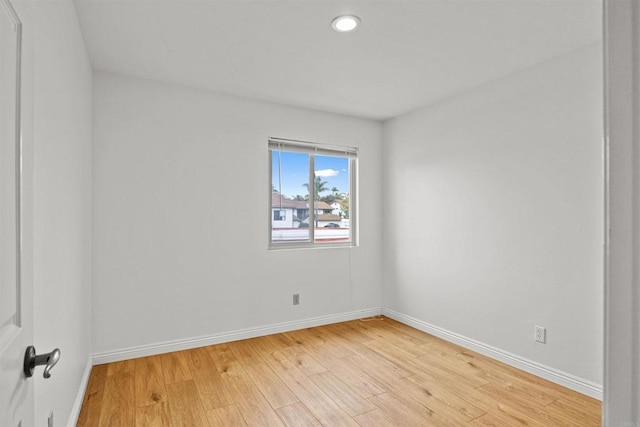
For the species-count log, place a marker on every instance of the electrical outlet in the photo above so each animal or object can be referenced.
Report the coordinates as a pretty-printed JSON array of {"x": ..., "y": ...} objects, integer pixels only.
[
  {"x": 296, "y": 299},
  {"x": 50, "y": 419},
  {"x": 540, "y": 334}
]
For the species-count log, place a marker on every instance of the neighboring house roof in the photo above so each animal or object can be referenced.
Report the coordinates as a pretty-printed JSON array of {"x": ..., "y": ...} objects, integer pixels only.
[
  {"x": 329, "y": 217},
  {"x": 279, "y": 201}
]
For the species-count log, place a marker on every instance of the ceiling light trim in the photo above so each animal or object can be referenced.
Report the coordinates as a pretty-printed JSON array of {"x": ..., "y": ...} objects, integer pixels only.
[{"x": 345, "y": 23}]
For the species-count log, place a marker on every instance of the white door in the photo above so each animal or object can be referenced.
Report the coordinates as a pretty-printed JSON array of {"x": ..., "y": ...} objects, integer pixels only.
[{"x": 16, "y": 329}]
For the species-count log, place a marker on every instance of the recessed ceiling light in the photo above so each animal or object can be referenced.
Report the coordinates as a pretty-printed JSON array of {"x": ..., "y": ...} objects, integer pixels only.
[{"x": 345, "y": 23}]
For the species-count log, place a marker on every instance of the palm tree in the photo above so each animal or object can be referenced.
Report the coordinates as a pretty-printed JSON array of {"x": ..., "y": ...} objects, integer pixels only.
[{"x": 319, "y": 186}]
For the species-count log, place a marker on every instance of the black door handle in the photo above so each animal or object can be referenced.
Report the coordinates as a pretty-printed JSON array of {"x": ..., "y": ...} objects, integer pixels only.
[{"x": 31, "y": 360}]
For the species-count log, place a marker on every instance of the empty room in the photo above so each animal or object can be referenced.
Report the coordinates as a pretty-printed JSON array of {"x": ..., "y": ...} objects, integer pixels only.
[{"x": 318, "y": 212}]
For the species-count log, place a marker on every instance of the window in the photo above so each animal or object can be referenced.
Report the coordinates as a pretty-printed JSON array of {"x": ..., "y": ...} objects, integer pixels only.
[{"x": 312, "y": 201}]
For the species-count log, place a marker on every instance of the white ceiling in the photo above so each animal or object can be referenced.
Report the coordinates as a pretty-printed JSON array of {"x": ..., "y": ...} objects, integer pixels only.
[{"x": 406, "y": 53}]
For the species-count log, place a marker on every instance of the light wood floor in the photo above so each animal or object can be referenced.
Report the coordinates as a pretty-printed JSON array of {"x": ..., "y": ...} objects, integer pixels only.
[{"x": 370, "y": 372}]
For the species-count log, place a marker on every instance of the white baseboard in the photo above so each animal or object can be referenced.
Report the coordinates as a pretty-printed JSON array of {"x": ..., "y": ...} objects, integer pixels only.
[
  {"x": 169, "y": 346},
  {"x": 77, "y": 405},
  {"x": 562, "y": 378}
]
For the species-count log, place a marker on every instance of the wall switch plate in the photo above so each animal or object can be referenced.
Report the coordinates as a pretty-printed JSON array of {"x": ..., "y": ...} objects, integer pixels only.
[
  {"x": 296, "y": 299},
  {"x": 540, "y": 334}
]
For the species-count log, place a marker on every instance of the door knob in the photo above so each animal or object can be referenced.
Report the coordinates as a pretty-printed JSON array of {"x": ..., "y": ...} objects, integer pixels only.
[{"x": 31, "y": 360}]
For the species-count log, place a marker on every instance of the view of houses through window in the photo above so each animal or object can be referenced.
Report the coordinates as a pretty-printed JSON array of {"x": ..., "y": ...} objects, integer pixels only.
[{"x": 311, "y": 192}]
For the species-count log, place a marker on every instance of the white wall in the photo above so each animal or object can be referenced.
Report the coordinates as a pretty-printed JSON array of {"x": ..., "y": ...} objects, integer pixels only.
[
  {"x": 170, "y": 167},
  {"x": 493, "y": 218},
  {"x": 57, "y": 109}
]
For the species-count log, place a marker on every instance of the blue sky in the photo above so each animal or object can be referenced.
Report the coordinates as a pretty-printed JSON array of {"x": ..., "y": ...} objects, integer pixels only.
[{"x": 295, "y": 172}]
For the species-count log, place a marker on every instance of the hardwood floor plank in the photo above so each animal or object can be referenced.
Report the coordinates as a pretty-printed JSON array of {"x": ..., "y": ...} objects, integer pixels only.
[
  {"x": 534, "y": 389},
  {"x": 379, "y": 378},
  {"x": 376, "y": 418},
  {"x": 377, "y": 361},
  {"x": 583, "y": 403},
  {"x": 199, "y": 361},
  {"x": 535, "y": 395},
  {"x": 305, "y": 337},
  {"x": 426, "y": 339},
  {"x": 225, "y": 361},
  {"x": 571, "y": 414},
  {"x": 416, "y": 366},
  {"x": 252, "y": 405},
  {"x": 538, "y": 413},
  {"x": 398, "y": 336},
  {"x": 586, "y": 404},
  {"x": 175, "y": 367},
  {"x": 118, "y": 407},
  {"x": 121, "y": 367},
  {"x": 326, "y": 344},
  {"x": 280, "y": 341},
  {"x": 227, "y": 416},
  {"x": 489, "y": 420},
  {"x": 272, "y": 388},
  {"x": 437, "y": 398},
  {"x": 510, "y": 376},
  {"x": 185, "y": 406},
  {"x": 153, "y": 415},
  {"x": 149, "y": 381},
  {"x": 352, "y": 403},
  {"x": 207, "y": 379},
  {"x": 500, "y": 409},
  {"x": 93, "y": 398},
  {"x": 383, "y": 374},
  {"x": 212, "y": 390},
  {"x": 435, "y": 343},
  {"x": 396, "y": 409},
  {"x": 434, "y": 411},
  {"x": 455, "y": 368},
  {"x": 348, "y": 332},
  {"x": 318, "y": 403},
  {"x": 297, "y": 415},
  {"x": 358, "y": 383},
  {"x": 264, "y": 348},
  {"x": 303, "y": 360},
  {"x": 247, "y": 351}
]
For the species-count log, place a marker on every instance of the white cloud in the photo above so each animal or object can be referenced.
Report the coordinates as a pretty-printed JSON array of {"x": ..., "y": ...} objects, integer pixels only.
[{"x": 326, "y": 173}]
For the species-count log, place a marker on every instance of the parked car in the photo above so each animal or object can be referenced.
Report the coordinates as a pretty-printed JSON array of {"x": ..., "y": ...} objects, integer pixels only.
[{"x": 332, "y": 225}]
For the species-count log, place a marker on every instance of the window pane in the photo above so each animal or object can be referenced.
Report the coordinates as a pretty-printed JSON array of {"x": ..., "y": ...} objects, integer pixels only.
[
  {"x": 289, "y": 197},
  {"x": 332, "y": 199}
]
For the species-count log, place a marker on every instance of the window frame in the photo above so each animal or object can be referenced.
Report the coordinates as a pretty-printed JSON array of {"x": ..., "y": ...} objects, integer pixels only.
[{"x": 313, "y": 149}]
